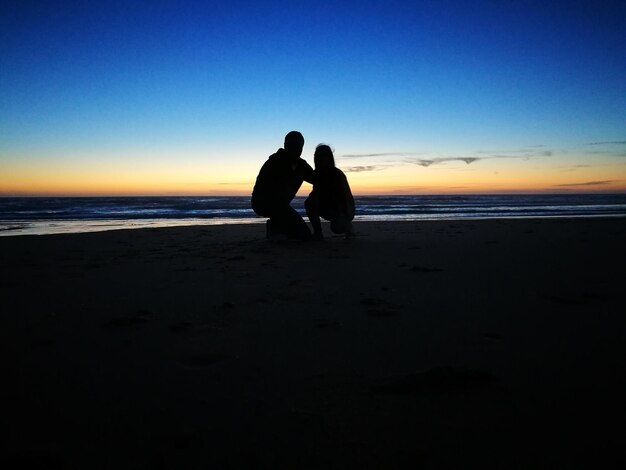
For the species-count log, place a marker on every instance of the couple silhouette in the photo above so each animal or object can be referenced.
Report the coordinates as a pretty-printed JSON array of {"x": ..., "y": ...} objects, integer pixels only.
[{"x": 280, "y": 179}]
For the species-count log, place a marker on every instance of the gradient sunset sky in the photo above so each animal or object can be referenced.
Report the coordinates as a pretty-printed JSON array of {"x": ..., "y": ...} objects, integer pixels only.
[{"x": 186, "y": 98}]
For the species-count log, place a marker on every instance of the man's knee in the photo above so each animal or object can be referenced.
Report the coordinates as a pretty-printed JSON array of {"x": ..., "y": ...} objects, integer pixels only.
[{"x": 298, "y": 228}]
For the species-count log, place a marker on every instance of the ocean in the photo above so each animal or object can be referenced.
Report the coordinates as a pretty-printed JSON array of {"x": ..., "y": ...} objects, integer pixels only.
[{"x": 48, "y": 215}]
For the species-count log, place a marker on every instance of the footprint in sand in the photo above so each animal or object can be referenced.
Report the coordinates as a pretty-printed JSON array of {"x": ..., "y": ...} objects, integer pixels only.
[
  {"x": 491, "y": 336},
  {"x": 424, "y": 269},
  {"x": 380, "y": 308},
  {"x": 381, "y": 313},
  {"x": 136, "y": 318},
  {"x": 93, "y": 266},
  {"x": 584, "y": 298},
  {"x": 201, "y": 360},
  {"x": 35, "y": 459},
  {"x": 180, "y": 327},
  {"x": 323, "y": 323},
  {"x": 438, "y": 380}
]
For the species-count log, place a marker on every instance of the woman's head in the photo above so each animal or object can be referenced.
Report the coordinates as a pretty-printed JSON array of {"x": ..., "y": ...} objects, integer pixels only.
[{"x": 323, "y": 157}]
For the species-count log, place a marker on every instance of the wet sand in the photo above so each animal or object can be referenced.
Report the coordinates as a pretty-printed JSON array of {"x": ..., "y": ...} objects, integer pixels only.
[{"x": 488, "y": 344}]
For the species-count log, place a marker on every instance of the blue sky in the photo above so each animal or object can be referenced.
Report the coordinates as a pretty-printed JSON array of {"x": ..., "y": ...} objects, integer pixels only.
[{"x": 215, "y": 85}]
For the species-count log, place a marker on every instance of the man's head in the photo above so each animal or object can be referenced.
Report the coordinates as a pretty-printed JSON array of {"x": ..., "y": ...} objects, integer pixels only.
[{"x": 294, "y": 143}]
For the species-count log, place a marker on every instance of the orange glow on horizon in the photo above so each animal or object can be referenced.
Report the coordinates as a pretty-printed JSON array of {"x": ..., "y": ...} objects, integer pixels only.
[
  {"x": 237, "y": 179},
  {"x": 93, "y": 190}
]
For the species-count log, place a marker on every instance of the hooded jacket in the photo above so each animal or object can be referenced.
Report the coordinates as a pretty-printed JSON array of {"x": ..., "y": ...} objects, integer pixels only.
[{"x": 278, "y": 181}]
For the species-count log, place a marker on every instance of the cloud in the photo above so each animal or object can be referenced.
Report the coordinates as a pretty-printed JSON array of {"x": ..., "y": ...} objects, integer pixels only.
[
  {"x": 520, "y": 154},
  {"x": 571, "y": 168},
  {"x": 422, "y": 162},
  {"x": 426, "y": 161},
  {"x": 361, "y": 168},
  {"x": 608, "y": 148},
  {"x": 382, "y": 154},
  {"x": 468, "y": 160},
  {"x": 588, "y": 183},
  {"x": 608, "y": 142},
  {"x": 436, "y": 161},
  {"x": 606, "y": 153}
]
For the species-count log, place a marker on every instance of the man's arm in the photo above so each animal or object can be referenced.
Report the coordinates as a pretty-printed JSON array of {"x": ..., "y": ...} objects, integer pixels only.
[{"x": 307, "y": 172}]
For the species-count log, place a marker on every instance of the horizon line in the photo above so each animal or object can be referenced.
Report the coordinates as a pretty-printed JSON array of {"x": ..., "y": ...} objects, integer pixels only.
[{"x": 381, "y": 194}]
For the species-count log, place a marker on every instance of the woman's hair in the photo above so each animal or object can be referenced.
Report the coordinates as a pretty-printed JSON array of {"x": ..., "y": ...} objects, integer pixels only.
[{"x": 323, "y": 153}]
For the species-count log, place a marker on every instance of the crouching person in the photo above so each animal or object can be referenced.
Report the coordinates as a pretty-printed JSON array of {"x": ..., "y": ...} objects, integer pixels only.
[{"x": 331, "y": 198}]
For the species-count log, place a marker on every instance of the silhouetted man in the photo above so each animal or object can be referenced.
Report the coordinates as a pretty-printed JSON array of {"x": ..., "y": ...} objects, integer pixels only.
[{"x": 278, "y": 182}]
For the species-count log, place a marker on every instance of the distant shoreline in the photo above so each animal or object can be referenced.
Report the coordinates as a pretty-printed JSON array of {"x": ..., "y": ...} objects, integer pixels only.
[
  {"x": 60, "y": 227},
  {"x": 70, "y": 215}
]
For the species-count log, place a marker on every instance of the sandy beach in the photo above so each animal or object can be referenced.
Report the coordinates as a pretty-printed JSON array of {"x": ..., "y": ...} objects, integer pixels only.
[{"x": 451, "y": 344}]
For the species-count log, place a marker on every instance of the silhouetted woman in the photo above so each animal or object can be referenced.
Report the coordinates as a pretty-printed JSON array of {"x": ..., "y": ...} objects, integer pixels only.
[{"x": 331, "y": 197}]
